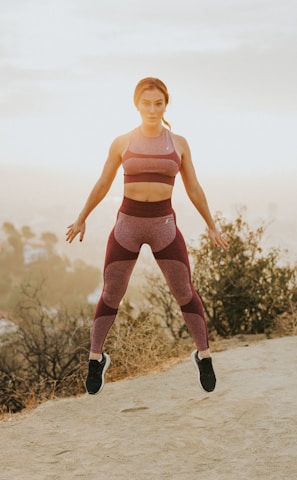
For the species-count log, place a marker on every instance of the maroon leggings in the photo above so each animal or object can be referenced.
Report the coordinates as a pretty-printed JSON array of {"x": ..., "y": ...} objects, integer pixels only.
[{"x": 152, "y": 223}]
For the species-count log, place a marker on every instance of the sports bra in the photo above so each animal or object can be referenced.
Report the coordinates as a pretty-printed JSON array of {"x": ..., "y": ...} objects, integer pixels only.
[{"x": 150, "y": 159}]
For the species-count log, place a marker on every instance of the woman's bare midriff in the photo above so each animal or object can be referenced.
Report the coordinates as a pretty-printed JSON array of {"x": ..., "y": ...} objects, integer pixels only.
[{"x": 148, "y": 191}]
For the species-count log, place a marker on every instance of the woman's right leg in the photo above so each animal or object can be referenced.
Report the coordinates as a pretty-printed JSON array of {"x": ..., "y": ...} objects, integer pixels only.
[{"x": 118, "y": 266}]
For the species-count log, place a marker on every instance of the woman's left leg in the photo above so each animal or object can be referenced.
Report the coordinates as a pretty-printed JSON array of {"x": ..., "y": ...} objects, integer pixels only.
[
  {"x": 173, "y": 260},
  {"x": 174, "y": 263}
]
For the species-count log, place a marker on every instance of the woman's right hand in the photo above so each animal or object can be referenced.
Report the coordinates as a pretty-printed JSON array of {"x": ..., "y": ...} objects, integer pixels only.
[{"x": 74, "y": 229}]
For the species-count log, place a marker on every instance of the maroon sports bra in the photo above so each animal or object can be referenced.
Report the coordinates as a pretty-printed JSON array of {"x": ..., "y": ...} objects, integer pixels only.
[{"x": 151, "y": 159}]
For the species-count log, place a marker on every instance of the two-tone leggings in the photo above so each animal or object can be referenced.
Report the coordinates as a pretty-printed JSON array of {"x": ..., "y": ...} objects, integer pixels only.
[{"x": 151, "y": 223}]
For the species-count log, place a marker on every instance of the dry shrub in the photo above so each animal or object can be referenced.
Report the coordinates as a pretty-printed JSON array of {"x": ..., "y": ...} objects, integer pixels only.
[
  {"x": 138, "y": 344},
  {"x": 48, "y": 356},
  {"x": 12, "y": 393},
  {"x": 18, "y": 391},
  {"x": 286, "y": 324}
]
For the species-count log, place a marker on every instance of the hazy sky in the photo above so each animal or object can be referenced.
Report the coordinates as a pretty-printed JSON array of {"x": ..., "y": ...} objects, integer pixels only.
[{"x": 68, "y": 69}]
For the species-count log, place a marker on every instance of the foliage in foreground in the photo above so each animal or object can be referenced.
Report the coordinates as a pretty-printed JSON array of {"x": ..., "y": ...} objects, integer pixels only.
[
  {"x": 43, "y": 357},
  {"x": 47, "y": 356},
  {"x": 244, "y": 288}
]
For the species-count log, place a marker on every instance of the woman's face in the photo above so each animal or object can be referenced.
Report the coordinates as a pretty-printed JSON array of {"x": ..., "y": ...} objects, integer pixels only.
[{"x": 152, "y": 106}]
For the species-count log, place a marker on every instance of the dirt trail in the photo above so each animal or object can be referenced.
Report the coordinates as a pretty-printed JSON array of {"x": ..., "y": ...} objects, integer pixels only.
[{"x": 162, "y": 426}]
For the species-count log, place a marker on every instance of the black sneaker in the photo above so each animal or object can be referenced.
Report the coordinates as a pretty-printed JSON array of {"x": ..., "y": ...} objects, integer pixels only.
[
  {"x": 206, "y": 375},
  {"x": 95, "y": 379}
]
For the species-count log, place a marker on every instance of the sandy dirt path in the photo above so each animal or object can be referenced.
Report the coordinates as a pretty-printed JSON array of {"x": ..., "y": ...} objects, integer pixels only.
[{"x": 162, "y": 426}]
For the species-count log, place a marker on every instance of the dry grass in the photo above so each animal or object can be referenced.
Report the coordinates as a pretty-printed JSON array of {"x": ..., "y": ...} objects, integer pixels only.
[
  {"x": 285, "y": 325},
  {"x": 139, "y": 345}
]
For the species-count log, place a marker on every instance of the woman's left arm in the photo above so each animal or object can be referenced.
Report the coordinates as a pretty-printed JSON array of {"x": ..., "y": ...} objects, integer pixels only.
[{"x": 196, "y": 193}]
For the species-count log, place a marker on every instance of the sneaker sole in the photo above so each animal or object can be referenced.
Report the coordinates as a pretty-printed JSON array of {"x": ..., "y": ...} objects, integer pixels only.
[
  {"x": 107, "y": 363},
  {"x": 193, "y": 354}
]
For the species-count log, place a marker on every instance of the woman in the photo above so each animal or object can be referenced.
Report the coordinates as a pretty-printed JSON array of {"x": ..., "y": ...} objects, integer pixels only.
[{"x": 151, "y": 156}]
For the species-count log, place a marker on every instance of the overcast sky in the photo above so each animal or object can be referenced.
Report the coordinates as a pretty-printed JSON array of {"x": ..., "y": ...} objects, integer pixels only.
[{"x": 68, "y": 69}]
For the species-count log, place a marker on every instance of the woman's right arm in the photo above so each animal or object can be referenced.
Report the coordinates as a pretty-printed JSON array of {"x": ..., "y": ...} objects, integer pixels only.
[{"x": 99, "y": 190}]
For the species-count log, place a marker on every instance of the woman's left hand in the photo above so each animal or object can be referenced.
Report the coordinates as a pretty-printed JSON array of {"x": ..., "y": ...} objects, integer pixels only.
[
  {"x": 77, "y": 228},
  {"x": 217, "y": 238}
]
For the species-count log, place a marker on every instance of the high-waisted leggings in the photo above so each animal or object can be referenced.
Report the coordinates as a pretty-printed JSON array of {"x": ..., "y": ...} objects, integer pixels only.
[{"x": 151, "y": 223}]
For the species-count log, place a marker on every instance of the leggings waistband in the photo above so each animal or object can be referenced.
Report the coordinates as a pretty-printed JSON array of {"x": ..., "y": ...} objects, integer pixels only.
[{"x": 136, "y": 208}]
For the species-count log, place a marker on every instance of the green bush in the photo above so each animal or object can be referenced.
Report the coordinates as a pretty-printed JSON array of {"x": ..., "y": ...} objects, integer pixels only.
[{"x": 244, "y": 288}]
